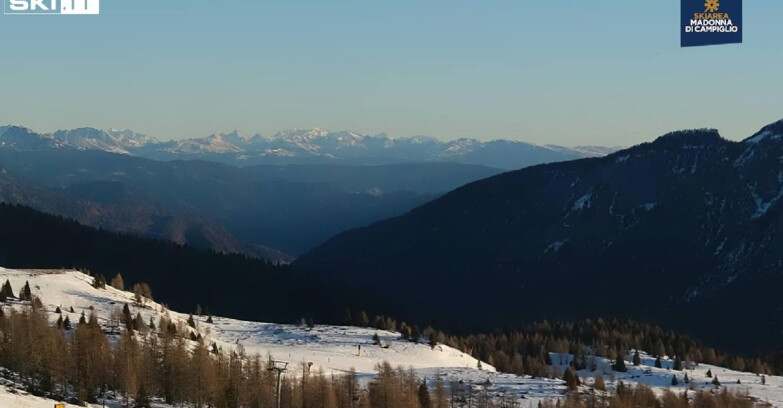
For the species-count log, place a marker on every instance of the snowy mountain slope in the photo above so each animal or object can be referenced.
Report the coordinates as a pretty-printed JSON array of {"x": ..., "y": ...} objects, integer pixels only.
[
  {"x": 301, "y": 146},
  {"x": 348, "y": 147},
  {"x": 20, "y": 138},
  {"x": 334, "y": 349},
  {"x": 114, "y": 141}
]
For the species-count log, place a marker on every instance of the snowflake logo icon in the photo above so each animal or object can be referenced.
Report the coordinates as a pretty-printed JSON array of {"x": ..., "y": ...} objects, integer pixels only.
[{"x": 711, "y": 6}]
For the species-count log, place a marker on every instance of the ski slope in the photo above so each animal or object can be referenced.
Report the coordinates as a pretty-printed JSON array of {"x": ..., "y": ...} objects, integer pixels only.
[{"x": 335, "y": 349}]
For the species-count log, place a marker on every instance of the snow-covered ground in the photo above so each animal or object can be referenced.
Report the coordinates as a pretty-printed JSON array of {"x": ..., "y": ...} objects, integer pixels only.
[{"x": 334, "y": 349}]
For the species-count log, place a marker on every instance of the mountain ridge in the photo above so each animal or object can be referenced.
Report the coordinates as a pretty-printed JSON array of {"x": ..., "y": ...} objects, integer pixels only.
[
  {"x": 313, "y": 146},
  {"x": 711, "y": 205}
]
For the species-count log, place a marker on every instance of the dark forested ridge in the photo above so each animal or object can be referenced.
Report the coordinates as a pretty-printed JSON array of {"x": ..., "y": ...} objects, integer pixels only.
[
  {"x": 182, "y": 277},
  {"x": 684, "y": 231}
]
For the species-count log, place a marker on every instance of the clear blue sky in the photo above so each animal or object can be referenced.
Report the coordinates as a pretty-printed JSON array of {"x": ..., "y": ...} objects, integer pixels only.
[{"x": 548, "y": 71}]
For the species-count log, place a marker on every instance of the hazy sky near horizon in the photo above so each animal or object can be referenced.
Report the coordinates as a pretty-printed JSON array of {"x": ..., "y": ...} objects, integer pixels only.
[{"x": 604, "y": 72}]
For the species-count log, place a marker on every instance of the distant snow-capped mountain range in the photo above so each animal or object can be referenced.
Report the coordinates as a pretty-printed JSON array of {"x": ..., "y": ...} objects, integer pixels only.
[{"x": 300, "y": 146}]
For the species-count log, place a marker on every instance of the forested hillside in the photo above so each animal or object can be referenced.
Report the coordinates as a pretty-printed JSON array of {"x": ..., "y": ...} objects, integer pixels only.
[
  {"x": 228, "y": 284},
  {"x": 675, "y": 231}
]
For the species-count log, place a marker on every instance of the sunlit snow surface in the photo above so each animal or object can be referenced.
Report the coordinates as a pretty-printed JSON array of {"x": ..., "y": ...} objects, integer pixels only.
[{"x": 334, "y": 349}]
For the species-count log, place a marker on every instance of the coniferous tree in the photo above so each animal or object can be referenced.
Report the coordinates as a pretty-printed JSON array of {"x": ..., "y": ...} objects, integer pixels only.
[
  {"x": 619, "y": 364},
  {"x": 674, "y": 380},
  {"x": 709, "y": 373},
  {"x": 433, "y": 340},
  {"x": 599, "y": 383},
  {"x": 677, "y": 363},
  {"x": 376, "y": 340},
  {"x": 715, "y": 381},
  {"x": 637, "y": 360},
  {"x": 191, "y": 322},
  {"x": 658, "y": 362},
  {"x": 209, "y": 319},
  {"x": 99, "y": 282},
  {"x": 364, "y": 320},
  {"x": 441, "y": 396},
  {"x": 7, "y": 291},
  {"x": 142, "y": 400},
  {"x": 571, "y": 378},
  {"x": 127, "y": 317},
  {"x": 685, "y": 379},
  {"x": 424, "y": 395},
  {"x": 118, "y": 283},
  {"x": 67, "y": 323},
  {"x": 415, "y": 334},
  {"x": 405, "y": 331},
  {"x": 26, "y": 293}
]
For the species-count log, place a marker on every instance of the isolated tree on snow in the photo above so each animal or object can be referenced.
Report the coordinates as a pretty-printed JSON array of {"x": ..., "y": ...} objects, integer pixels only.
[
  {"x": 479, "y": 365},
  {"x": 376, "y": 340},
  {"x": 709, "y": 373},
  {"x": 127, "y": 317},
  {"x": 7, "y": 291},
  {"x": 26, "y": 293},
  {"x": 715, "y": 381},
  {"x": 118, "y": 283},
  {"x": 191, "y": 322},
  {"x": 619, "y": 364},
  {"x": 209, "y": 319},
  {"x": 685, "y": 379},
  {"x": 763, "y": 380},
  {"x": 677, "y": 363},
  {"x": 674, "y": 380},
  {"x": 571, "y": 378},
  {"x": 637, "y": 360}
]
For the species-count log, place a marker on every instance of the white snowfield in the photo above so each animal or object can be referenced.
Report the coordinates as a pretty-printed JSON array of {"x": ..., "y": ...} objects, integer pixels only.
[{"x": 335, "y": 349}]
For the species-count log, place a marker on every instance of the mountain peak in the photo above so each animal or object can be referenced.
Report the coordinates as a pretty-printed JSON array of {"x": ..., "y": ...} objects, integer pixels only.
[
  {"x": 773, "y": 130},
  {"x": 690, "y": 138}
]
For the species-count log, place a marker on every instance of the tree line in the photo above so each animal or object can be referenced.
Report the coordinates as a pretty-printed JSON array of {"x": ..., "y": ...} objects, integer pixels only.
[
  {"x": 133, "y": 361},
  {"x": 527, "y": 350}
]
